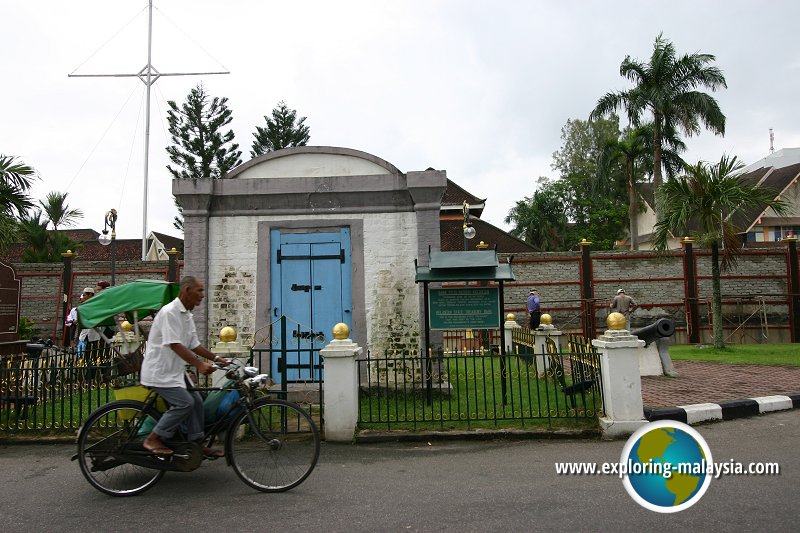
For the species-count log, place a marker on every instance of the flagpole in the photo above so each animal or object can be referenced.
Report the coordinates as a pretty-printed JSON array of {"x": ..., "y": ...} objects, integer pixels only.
[{"x": 148, "y": 75}]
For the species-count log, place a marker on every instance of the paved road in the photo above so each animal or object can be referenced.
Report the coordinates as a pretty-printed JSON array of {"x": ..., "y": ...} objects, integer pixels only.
[{"x": 444, "y": 486}]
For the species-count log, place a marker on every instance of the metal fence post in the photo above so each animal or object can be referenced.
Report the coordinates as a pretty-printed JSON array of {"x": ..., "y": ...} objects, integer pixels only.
[
  {"x": 794, "y": 288},
  {"x": 66, "y": 290},
  {"x": 690, "y": 291},
  {"x": 172, "y": 269},
  {"x": 587, "y": 290}
]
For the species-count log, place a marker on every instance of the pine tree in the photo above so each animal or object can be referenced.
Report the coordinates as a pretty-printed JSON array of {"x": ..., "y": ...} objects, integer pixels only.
[
  {"x": 200, "y": 149},
  {"x": 283, "y": 130}
]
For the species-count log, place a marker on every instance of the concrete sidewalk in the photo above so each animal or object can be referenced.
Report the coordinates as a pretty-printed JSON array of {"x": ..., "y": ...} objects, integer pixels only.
[{"x": 706, "y": 391}]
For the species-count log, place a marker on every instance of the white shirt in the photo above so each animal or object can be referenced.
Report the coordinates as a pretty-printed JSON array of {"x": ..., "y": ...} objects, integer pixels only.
[
  {"x": 162, "y": 367},
  {"x": 89, "y": 335},
  {"x": 72, "y": 317}
]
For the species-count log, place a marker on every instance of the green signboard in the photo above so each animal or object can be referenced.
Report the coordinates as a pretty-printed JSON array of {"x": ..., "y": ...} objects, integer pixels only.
[{"x": 467, "y": 308}]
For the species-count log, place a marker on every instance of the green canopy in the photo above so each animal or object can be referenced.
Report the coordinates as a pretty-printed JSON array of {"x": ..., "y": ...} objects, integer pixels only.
[
  {"x": 143, "y": 297},
  {"x": 477, "y": 265}
]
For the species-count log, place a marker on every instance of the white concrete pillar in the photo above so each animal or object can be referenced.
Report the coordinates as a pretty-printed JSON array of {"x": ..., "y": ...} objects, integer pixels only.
[
  {"x": 546, "y": 330},
  {"x": 229, "y": 348},
  {"x": 510, "y": 325},
  {"x": 340, "y": 389},
  {"x": 622, "y": 384}
]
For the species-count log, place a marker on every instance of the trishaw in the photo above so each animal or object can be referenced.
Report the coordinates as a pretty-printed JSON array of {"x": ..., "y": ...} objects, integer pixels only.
[{"x": 272, "y": 444}]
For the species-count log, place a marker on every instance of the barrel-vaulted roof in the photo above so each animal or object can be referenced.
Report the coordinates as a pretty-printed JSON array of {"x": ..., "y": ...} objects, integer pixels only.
[{"x": 313, "y": 161}]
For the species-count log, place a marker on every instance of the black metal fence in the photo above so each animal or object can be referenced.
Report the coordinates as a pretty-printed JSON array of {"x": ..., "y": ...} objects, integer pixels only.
[
  {"x": 53, "y": 389},
  {"x": 477, "y": 387},
  {"x": 294, "y": 363}
]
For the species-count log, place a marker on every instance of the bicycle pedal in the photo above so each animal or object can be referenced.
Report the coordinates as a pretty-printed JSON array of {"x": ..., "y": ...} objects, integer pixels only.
[{"x": 179, "y": 456}]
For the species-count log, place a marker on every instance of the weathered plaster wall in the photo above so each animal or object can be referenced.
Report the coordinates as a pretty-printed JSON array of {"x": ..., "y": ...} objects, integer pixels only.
[{"x": 390, "y": 296}]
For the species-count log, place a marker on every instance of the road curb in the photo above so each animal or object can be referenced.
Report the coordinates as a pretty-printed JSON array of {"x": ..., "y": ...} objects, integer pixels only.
[
  {"x": 372, "y": 436},
  {"x": 727, "y": 410}
]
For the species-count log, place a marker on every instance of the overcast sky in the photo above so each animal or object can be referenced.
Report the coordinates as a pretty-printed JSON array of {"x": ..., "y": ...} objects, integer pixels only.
[{"x": 479, "y": 89}]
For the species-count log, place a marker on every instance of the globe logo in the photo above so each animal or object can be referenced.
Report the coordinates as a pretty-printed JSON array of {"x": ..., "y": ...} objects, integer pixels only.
[{"x": 667, "y": 466}]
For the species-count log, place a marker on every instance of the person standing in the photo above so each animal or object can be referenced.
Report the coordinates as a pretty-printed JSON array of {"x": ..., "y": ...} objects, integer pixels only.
[
  {"x": 173, "y": 344},
  {"x": 88, "y": 337},
  {"x": 534, "y": 308},
  {"x": 71, "y": 326},
  {"x": 624, "y": 304}
]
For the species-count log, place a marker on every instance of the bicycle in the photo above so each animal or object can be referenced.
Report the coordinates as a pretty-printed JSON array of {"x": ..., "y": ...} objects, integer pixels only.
[{"x": 272, "y": 444}]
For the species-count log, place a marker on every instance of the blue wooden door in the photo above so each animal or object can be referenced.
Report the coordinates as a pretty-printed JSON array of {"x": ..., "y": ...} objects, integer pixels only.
[{"x": 311, "y": 286}]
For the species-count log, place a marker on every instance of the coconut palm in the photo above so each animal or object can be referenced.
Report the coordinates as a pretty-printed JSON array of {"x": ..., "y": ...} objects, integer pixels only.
[
  {"x": 58, "y": 212},
  {"x": 665, "y": 88},
  {"x": 705, "y": 197}
]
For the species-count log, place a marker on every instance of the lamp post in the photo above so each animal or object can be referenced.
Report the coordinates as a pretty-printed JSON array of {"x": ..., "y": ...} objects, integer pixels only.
[
  {"x": 105, "y": 240},
  {"x": 469, "y": 231}
]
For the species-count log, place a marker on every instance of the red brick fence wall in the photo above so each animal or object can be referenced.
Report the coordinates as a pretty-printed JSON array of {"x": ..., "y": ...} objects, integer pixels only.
[
  {"x": 761, "y": 294},
  {"x": 760, "y": 301},
  {"x": 49, "y": 290}
]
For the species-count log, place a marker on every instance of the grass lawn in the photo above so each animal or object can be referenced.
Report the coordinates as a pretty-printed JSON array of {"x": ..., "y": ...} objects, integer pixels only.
[
  {"x": 746, "y": 354},
  {"x": 476, "y": 401}
]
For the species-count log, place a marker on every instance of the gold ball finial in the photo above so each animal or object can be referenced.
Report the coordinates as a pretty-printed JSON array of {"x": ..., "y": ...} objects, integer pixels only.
[
  {"x": 616, "y": 321},
  {"x": 584, "y": 242},
  {"x": 172, "y": 251},
  {"x": 126, "y": 326},
  {"x": 511, "y": 317},
  {"x": 546, "y": 319},
  {"x": 227, "y": 334},
  {"x": 341, "y": 331}
]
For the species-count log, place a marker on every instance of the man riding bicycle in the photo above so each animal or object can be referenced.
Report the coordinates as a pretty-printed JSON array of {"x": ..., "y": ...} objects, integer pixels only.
[{"x": 171, "y": 345}]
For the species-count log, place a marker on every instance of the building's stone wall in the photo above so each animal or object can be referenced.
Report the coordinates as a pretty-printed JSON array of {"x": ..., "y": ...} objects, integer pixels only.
[{"x": 390, "y": 295}]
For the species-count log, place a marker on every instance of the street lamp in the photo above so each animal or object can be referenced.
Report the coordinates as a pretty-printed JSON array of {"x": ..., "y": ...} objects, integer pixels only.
[
  {"x": 105, "y": 240},
  {"x": 469, "y": 231}
]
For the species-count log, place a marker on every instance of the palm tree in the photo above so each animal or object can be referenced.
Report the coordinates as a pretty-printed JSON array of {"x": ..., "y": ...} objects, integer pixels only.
[
  {"x": 540, "y": 220},
  {"x": 665, "y": 87},
  {"x": 58, "y": 212},
  {"x": 41, "y": 244},
  {"x": 33, "y": 232},
  {"x": 706, "y": 196},
  {"x": 633, "y": 152},
  {"x": 15, "y": 182}
]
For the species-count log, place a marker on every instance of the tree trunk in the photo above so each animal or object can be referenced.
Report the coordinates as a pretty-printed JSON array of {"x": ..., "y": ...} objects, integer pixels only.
[
  {"x": 633, "y": 212},
  {"x": 716, "y": 298},
  {"x": 657, "y": 179}
]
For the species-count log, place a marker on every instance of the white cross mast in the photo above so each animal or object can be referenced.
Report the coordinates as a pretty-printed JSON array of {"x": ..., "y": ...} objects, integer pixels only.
[{"x": 149, "y": 75}]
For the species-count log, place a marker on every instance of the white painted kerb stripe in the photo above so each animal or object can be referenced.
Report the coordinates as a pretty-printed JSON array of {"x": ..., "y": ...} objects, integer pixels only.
[
  {"x": 773, "y": 403},
  {"x": 701, "y": 412}
]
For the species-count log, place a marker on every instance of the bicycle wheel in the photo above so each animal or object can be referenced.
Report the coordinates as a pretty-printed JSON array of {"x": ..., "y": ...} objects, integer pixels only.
[
  {"x": 274, "y": 446},
  {"x": 107, "y": 435}
]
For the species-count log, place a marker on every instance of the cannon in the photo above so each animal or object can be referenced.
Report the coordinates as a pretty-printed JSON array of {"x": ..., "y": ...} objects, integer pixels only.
[
  {"x": 661, "y": 328},
  {"x": 654, "y": 359}
]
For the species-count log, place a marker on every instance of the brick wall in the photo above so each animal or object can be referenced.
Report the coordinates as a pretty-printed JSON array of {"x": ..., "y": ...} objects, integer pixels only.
[
  {"x": 390, "y": 245},
  {"x": 754, "y": 290},
  {"x": 41, "y": 286}
]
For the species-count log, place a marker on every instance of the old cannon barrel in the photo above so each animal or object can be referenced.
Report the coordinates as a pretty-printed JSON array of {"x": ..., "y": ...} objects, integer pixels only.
[{"x": 663, "y": 327}]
